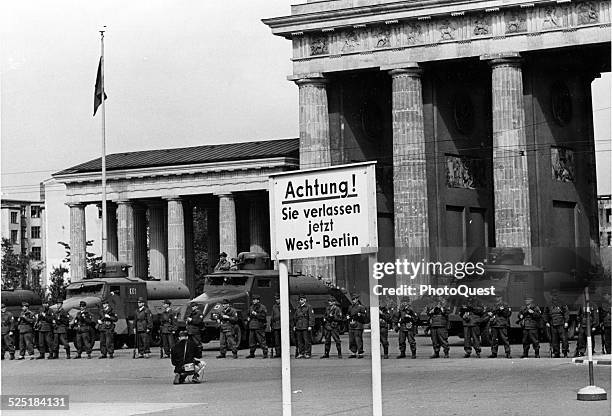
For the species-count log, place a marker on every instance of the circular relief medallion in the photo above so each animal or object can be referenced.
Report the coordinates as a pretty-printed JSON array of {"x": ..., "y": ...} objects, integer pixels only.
[
  {"x": 561, "y": 103},
  {"x": 371, "y": 119},
  {"x": 463, "y": 113}
]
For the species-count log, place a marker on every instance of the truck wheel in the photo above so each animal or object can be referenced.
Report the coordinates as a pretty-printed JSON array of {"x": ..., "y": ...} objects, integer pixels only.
[
  {"x": 317, "y": 334},
  {"x": 119, "y": 341}
]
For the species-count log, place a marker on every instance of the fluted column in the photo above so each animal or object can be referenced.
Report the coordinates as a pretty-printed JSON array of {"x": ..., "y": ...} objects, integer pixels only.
[
  {"x": 411, "y": 215},
  {"x": 141, "y": 263},
  {"x": 176, "y": 240},
  {"x": 257, "y": 226},
  {"x": 212, "y": 226},
  {"x": 78, "y": 242},
  {"x": 112, "y": 253},
  {"x": 510, "y": 176},
  {"x": 158, "y": 240},
  {"x": 315, "y": 152},
  {"x": 189, "y": 265},
  {"x": 227, "y": 226},
  {"x": 125, "y": 233}
]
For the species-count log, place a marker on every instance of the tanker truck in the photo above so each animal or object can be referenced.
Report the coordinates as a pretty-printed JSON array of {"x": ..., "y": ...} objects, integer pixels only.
[
  {"x": 253, "y": 275},
  {"x": 122, "y": 292},
  {"x": 12, "y": 298}
]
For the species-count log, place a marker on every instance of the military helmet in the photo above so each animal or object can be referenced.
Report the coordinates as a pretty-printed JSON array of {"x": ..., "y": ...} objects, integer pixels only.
[{"x": 82, "y": 303}]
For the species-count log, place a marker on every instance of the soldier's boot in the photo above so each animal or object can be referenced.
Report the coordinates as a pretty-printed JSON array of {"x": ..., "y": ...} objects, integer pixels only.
[
  {"x": 235, "y": 354},
  {"x": 467, "y": 354},
  {"x": 493, "y": 355},
  {"x": 352, "y": 355},
  {"x": 339, "y": 348},
  {"x": 251, "y": 355},
  {"x": 221, "y": 355},
  {"x": 67, "y": 353},
  {"x": 21, "y": 357},
  {"x": 177, "y": 379},
  {"x": 102, "y": 357},
  {"x": 557, "y": 355},
  {"x": 508, "y": 355},
  {"x": 265, "y": 354},
  {"x": 385, "y": 352},
  {"x": 446, "y": 354},
  {"x": 325, "y": 354},
  {"x": 436, "y": 354},
  {"x": 477, "y": 354},
  {"x": 110, "y": 356},
  {"x": 12, "y": 356},
  {"x": 402, "y": 355},
  {"x": 564, "y": 354},
  {"x": 525, "y": 352},
  {"x": 89, "y": 356},
  {"x": 413, "y": 355},
  {"x": 78, "y": 356},
  {"x": 195, "y": 379},
  {"x": 537, "y": 353},
  {"x": 41, "y": 356}
]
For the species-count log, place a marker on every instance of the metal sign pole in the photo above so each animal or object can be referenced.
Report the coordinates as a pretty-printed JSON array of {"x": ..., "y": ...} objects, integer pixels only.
[
  {"x": 375, "y": 340},
  {"x": 283, "y": 272}
]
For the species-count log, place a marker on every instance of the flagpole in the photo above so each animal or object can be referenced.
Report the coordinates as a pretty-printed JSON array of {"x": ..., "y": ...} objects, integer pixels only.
[{"x": 104, "y": 219}]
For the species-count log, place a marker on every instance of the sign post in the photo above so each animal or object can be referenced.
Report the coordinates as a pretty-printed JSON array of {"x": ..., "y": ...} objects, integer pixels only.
[{"x": 319, "y": 213}]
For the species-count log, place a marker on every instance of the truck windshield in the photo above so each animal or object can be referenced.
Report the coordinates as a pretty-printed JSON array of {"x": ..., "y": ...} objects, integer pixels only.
[
  {"x": 84, "y": 289},
  {"x": 224, "y": 280}
]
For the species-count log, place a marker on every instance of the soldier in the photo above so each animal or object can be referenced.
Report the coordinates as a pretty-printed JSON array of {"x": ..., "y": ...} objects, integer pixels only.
[
  {"x": 499, "y": 318},
  {"x": 8, "y": 328},
  {"x": 25, "y": 326},
  {"x": 186, "y": 352},
  {"x": 581, "y": 323},
  {"x": 405, "y": 321},
  {"x": 44, "y": 325},
  {"x": 529, "y": 317},
  {"x": 223, "y": 264},
  {"x": 331, "y": 327},
  {"x": 275, "y": 324},
  {"x": 195, "y": 323},
  {"x": 384, "y": 322},
  {"x": 82, "y": 323},
  {"x": 106, "y": 326},
  {"x": 257, "y": 319},
  {"x": 557, "y": 319},
  {"x": 167, "y": 328},
  {"x": 227, "y": 318},
  {"x": 61, "y": 321},
  {"x": 438, "y": 328},
  {"x": 303, "y": 321},
  {"x": 605, "y": 313},
  {"x": 471, "y": 314},
  {"x": 144, "y": 326},
  {"x": 357, "y": 317}
]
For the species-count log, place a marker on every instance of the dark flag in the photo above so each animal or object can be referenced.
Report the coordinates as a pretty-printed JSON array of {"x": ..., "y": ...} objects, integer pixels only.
[{"x": 98, "y": 89}]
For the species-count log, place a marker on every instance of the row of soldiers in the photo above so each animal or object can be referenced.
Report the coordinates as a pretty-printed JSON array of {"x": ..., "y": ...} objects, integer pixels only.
[{"x": 496, "y": 320}]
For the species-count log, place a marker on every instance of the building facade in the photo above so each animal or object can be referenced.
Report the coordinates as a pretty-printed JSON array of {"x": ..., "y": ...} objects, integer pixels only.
[{"x": 23, "y": 224}]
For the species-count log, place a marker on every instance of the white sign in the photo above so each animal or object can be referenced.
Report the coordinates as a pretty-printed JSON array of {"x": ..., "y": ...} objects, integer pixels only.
[{"x": 324, "y": 212}]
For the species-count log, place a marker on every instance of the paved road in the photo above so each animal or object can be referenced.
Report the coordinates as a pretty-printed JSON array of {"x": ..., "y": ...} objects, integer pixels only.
[{"x": 454, "y": 386}]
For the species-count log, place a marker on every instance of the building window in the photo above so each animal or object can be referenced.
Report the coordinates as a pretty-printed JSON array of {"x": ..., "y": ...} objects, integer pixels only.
[
  {"x": 35, "y": 211},
  {"x": 36, "y": 253},
  {"x": 14, "y": 236},
  {"x": 13, "y": 217},
  {"x": 35, "y": 232},
  {"x": 608, "y": 215}
]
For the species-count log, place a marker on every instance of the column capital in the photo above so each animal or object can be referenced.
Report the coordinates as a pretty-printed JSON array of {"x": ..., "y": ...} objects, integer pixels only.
[
  {"x": 410, "y": 69},
  {"x": 316, "y": 79},
  {"x": 124, "y": 202},
  {"x": 173, "y": 198},
  {"x": 503, "y": 59},
  {"x": 225, "y": 194},
  {"x": 76, "y": 204}
]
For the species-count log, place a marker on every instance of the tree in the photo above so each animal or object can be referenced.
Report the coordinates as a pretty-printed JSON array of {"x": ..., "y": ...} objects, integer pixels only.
[
  {"x": 57, "y": 288},
  {"x": 92, "y": 261},
  {"x": 14, "y": 267},
  {"x": 200, "y": 248}
]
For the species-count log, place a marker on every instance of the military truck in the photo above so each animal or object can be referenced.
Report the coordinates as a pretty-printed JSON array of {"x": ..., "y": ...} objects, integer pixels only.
[
  {"x": 13, "y": 298},
  {"x": 254, "y": 275},
  {"x": 122, "y": 292}
]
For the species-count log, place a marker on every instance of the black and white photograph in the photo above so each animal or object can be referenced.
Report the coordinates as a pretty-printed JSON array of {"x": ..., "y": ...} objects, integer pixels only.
[{"x": 306, "y": 207}]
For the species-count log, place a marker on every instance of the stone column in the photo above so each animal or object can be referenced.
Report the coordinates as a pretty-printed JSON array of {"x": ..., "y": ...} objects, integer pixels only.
[
  {"x": 189, "y": 264},
  {"x": 112, "y": 252},
  {"x": 227, "y": 226},
  {"x": 257, "y": 225},
  {"x": 212, "y": 226},
  {"x": 510, "y": 176},
  {"x": 158, "y": 240},
  {"x": 411, "y": 217},
  {"x": 315, "y": 152},
  {"x": 141, "y": 263},
  {"x": 78, "y": 243},
  {"x": 125, "y": 233},
  {"x": 176, "y": 240}
]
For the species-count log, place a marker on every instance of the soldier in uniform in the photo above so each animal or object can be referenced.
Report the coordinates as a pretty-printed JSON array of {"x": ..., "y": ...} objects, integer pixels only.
[
  {"x": 303, "y": 321},
  {"x": 82, "y": 323},
  {"x": 581, "y": 323},
  {"x": 275, "y": 324},
  {"x": 357, "y": 317},
  {"x": 106, "y": 326},
  {"x": 438, "y": 328},
  {"x": 385, "y": 321},
  {"x": 227, "y": 318},
  {"x": 257, "y": 319},
  {"x": 223, "y": 264},
  {"x": 471, "y": 314},
  {"x": 405, "y": 321},
  {"x": 167, "y": 328},
  {"x": 25, "y": 326},
  {"x": 557, "y": 319},
  {"x": 195, "y": 323},
  {"x": 8, "y": 328},
  {"x": 44, "y": 325},
  {"x": 499, "y": 318},
  {"x": 61, "y": 321},
  {"x": 144, "y": 326},
  {"x": 331, "y": 327},
  {"x": 605, "y": 314},
  {"x": 529, "y": 317}
]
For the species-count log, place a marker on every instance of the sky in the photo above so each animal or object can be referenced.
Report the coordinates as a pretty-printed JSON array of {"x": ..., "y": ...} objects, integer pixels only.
[{"x": 176, "y": 73}]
